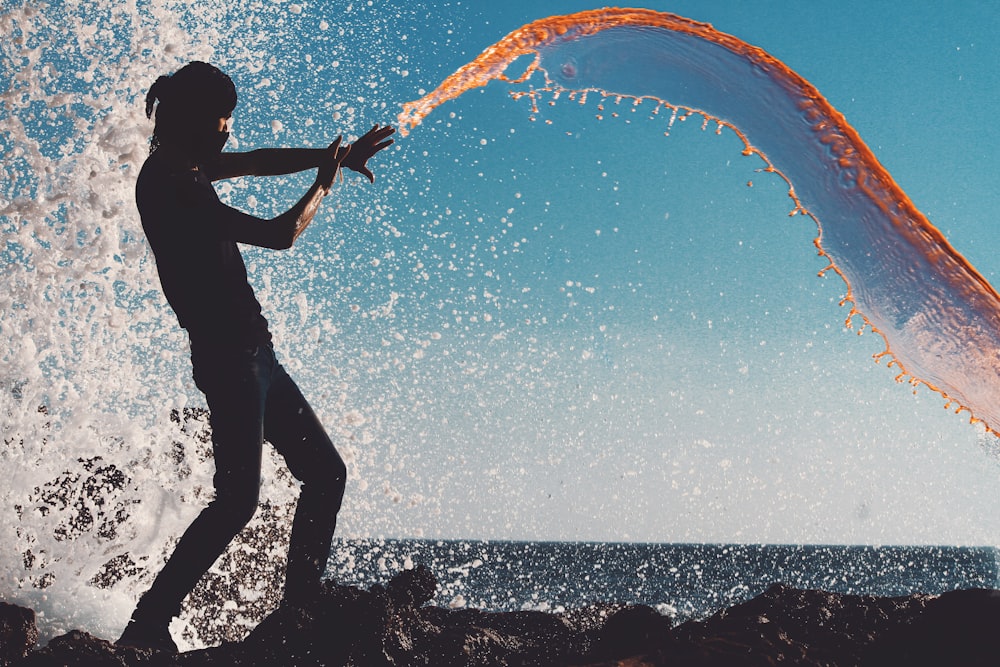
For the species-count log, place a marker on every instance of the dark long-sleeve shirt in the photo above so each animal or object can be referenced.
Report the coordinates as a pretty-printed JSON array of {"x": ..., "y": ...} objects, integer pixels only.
[{"x": 201, "y": 271}]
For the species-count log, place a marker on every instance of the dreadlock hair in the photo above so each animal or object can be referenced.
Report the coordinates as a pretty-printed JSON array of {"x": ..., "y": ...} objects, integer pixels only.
[{"x": 193, "y": 94}]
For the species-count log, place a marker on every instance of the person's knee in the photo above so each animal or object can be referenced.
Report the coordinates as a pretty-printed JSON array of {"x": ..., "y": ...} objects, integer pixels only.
[
  {"x": 334, "y": 478},
  {"x": 327, "y": 477},
  {"x": 337, "y": 471},
  {"x": 324, "y": 467},
  {"x": 237, "y": 506}
]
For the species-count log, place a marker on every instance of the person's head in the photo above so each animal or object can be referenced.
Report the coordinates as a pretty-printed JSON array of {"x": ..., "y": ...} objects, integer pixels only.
[{"x": 192, "y": 106}]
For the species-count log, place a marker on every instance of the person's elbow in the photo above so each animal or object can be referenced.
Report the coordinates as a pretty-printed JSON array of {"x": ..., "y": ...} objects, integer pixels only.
[
  {"x": 281, "y": 241},
  {"x": 287, "y": 233},
  {"x": 275, "y": 234}
]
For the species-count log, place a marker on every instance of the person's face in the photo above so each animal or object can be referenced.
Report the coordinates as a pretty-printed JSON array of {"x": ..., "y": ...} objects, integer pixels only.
[{"x": 212, "y": 138}]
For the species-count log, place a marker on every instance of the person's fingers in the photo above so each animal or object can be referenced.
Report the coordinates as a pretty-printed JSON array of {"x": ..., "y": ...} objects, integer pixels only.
[
  {"x": 335, "y": 148},
  {"x": 328, "y": 171},
  {"x": 342, "y": 154},
  {"x": 371, "y": 133},
  {"x": 378, "y": 133},
  {"x": 374, "y": 140}
]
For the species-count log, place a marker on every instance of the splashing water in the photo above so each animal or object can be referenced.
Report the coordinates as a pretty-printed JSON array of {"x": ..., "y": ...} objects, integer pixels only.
[
  {"x": 105, "y": 467},
  {"x": 478, "y": 376},
  {"x": 939, "y": 317}
]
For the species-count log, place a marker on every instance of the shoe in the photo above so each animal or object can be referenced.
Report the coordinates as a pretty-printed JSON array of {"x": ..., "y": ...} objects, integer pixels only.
[{"x": 145, "y": 635}]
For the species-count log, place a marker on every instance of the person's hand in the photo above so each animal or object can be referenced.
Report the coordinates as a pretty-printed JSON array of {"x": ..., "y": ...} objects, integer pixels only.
[
  {"x": 335, "y": 156},
  {"x": 365, "y": 147}
]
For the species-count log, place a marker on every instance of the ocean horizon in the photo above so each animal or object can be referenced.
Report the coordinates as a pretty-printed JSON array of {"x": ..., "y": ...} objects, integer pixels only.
[{"x": 684, "y": 581}]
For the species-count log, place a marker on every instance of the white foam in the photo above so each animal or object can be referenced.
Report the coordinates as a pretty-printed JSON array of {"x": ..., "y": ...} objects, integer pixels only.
[{"x": 87, "y": 325}]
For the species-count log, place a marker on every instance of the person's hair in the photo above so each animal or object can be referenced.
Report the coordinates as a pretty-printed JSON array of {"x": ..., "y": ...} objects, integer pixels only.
[{"x": 195, "y": 93}]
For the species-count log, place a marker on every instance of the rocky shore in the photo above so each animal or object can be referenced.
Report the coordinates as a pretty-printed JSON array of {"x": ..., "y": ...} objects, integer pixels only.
[{"x": 394, "y": 625}]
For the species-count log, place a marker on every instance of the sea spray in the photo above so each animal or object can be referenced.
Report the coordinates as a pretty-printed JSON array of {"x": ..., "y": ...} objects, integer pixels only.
[{"x": 108, "y": 462}]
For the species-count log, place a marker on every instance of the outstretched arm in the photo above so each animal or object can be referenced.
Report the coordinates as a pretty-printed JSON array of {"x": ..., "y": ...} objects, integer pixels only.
[
  {"x": 277, "y": 161},
  {"x": 280, "y": 233},
  {"x": 265, "y": 162}
]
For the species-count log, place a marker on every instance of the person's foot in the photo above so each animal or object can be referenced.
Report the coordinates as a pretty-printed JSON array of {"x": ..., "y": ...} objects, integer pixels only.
[{"x": 145, "y": 635}]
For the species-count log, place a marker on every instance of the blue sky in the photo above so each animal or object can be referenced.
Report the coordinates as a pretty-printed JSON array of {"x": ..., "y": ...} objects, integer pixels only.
[
  {"x": 732, "y": 404},
  {"x": 585, "y": 329}
]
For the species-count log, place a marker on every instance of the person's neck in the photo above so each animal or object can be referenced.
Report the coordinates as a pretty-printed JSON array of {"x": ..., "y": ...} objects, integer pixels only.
[{"x": 176, "y": 158}]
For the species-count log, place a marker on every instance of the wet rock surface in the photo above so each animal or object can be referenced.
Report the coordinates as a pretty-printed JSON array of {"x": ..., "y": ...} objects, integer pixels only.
[{"x": 393, "y": 625}]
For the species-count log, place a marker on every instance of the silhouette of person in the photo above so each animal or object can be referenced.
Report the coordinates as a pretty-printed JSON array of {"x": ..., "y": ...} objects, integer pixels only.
[{"x": 250, "y": 397}]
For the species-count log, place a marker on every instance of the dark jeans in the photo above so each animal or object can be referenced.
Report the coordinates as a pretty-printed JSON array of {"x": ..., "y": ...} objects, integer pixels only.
[{"x": 251, "y": 398}]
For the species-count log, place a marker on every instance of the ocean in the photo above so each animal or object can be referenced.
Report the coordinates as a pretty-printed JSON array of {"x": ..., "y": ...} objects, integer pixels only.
[{"x": 685, "y": 581}]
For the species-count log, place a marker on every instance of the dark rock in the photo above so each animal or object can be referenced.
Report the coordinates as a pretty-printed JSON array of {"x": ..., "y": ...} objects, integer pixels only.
[
  {"x": 477, "y": 637},
  {"x": 80, "y": 649},
  {"x": 800, "y": 627},
  {"x": 413, "y": 587},
  {"x": 630, "y": 631},
  {"x": 389, "y": 627},
  {"x": 344, "y": 621},
  {"x": 18, "y": 633},
  {"x": 955, "y": 628}
]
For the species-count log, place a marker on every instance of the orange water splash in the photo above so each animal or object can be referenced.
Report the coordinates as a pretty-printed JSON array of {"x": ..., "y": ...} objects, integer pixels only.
[{"x": 938, "y": 316}]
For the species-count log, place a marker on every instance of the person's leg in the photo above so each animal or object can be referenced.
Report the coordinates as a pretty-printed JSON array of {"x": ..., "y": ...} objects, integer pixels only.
[
  {"x": 235, "y": 386},
  {"x": 295, "y": 431}
]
